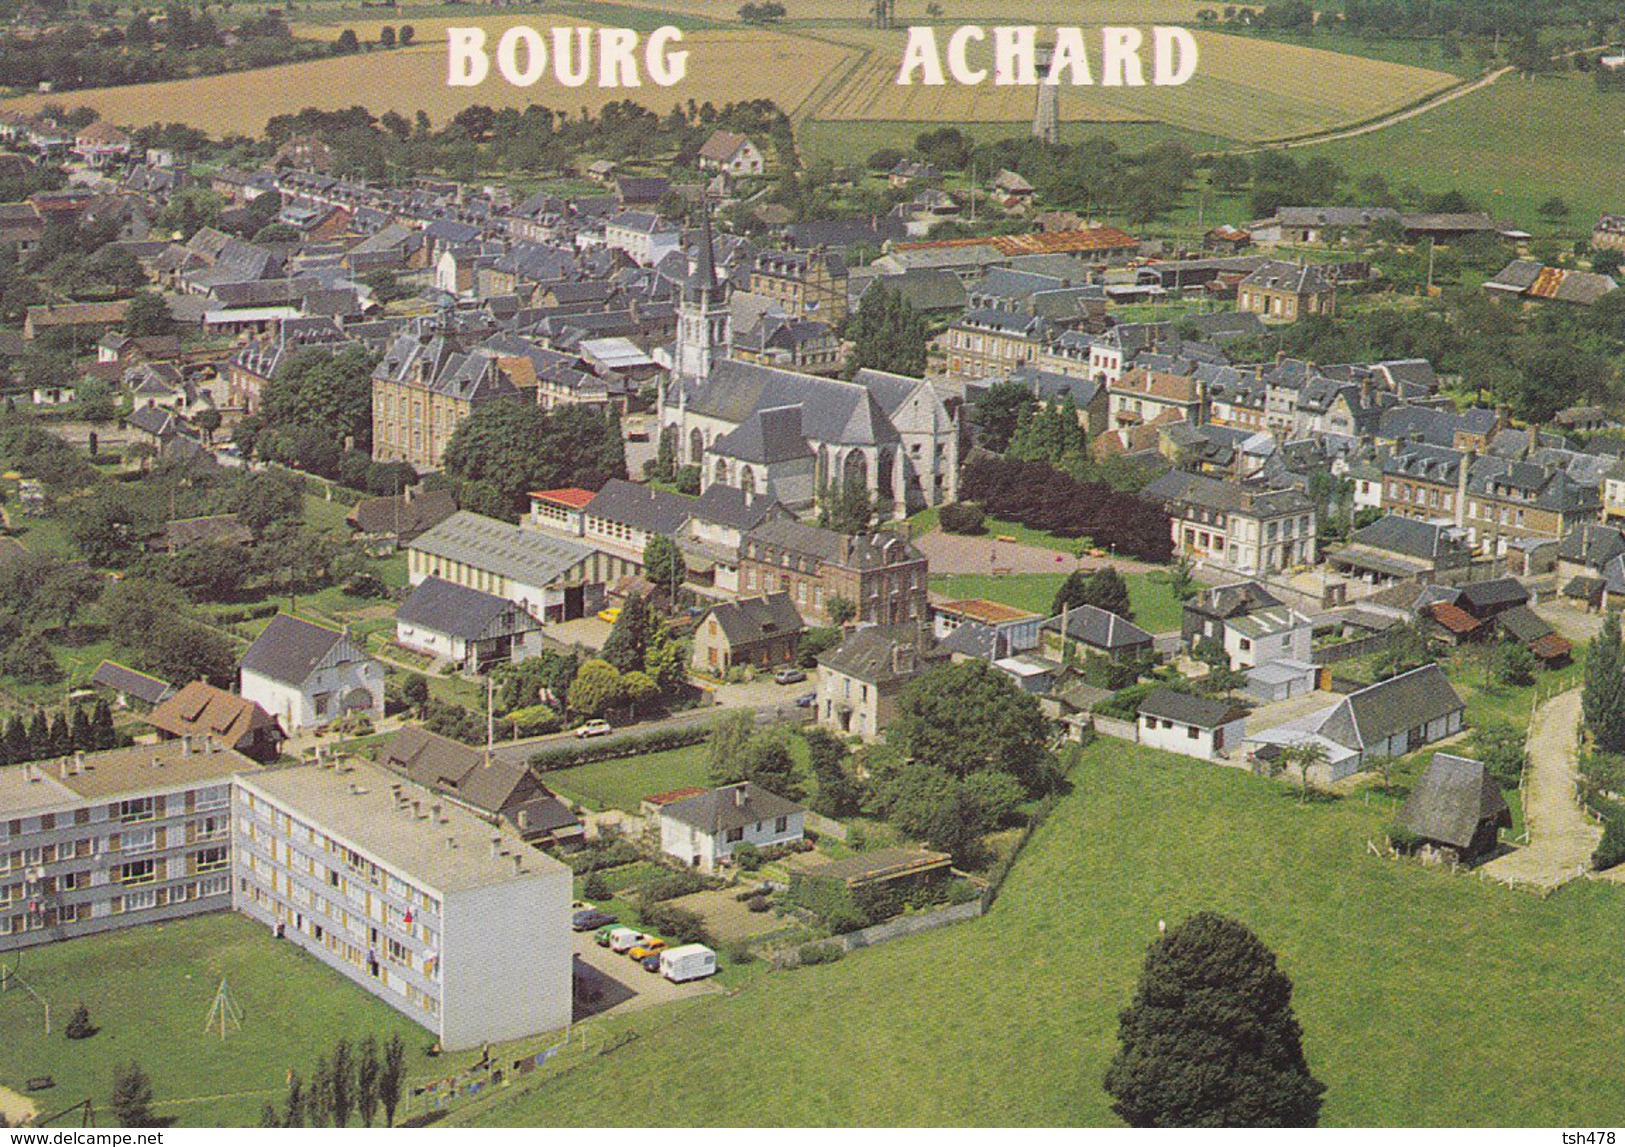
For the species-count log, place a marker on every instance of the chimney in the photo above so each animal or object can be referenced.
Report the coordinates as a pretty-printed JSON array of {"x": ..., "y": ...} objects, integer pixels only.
[
  {"x": 524, "y": 819},
  {"x": 496, "y": 847},
  {"x": 417, "y": 810},
  {"x": 157, "y": 761},
  {"x": 739, "y": 796},
  {"x": 186, "y": 744},
  {"x": 1529, "y": 446},
  {"x": 78, "y": 762},
  {"x": 518, "y": 864},
  {"x": 1467, "y": 461},
  {"x": 62, "y": 768}
]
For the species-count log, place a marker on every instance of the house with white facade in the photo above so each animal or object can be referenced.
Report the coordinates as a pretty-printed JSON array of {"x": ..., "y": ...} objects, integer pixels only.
[
  {"x": 645, "y": 238},
  {"x": 467, "y": 627},
  {"x": 307, "y": 675},
  {"x": 1247, "y": 528},
  {"x": 1198, "y": 727},
  {"x": 703, "y": 831},
  {"x": 551, "y": 577},
  {"x": 730, "y": 152}
]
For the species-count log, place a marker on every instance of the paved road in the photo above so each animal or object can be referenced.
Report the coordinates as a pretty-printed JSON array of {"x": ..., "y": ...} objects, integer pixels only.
[{"x": 1561, "y": 837}]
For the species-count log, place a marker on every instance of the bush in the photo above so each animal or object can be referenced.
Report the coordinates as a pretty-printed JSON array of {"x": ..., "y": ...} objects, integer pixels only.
[
  {"x": 1403, "y": 839},
  {"x": 740, "y": 953},
  {"x": 534, "y": 720},
  {"x": 1611, "y": 848},
  {"x": 367, "y": 585},
  {"x": 613, "y": 853},
  {"x": 79, "y": 1025},
  {"x": 962, "y": 518},
  {"x": 820, "y": 953},
  {"x": 675, "y": 924},
  {"x": 748, "y": 857},
  {"x": 669, "y": 886},
  {"x": 1044, "y": 498},
  {"x": 596, "y": 887},
  {"x": 757, "y": 903}
]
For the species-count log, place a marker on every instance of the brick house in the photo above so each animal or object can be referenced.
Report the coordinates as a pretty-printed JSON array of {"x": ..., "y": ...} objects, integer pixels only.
[
  {"x": 883, "y": 576},
  {"x": 1286, "y": 292},
  {"x": 759, "y": 631}
]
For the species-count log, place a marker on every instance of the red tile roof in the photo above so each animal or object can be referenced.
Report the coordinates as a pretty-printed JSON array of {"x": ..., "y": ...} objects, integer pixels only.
[
  {"x": 1552, "y": 647},
  {"x": 675, "y": 795},
  {"x": 572, "y": 496},
  {"x": 1454, "y": 618}
]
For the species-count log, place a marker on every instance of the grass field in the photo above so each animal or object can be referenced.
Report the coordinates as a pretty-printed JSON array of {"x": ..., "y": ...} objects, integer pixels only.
[
  {"x": 722, "y": 66},
  {"x": 1426, "y": 998},
  {"x": 1510, "y": 146},
  {"x": 149, "y": 990},
  {"x": 1156, "y": 609},
  {"x": 624, "y": 783},
  {"x": 1244, "y": 88}
]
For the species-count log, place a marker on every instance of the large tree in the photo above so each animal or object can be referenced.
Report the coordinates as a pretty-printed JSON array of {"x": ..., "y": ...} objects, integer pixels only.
[
  {"x": 1103, "y": 589},
  {"x": 132, "y": 1096},
  {"x": 887, "y": 334},
  {"x": 514, "y": 447},
  {"x": 1603, "y": 698},
  {"x": 326, "y": 392},
  {"x": 1210, "y": 1039},
  {"x": 969, "y": 718},
  {"x": 628, "y": 641},
  {"x": 663, "y": 564}
]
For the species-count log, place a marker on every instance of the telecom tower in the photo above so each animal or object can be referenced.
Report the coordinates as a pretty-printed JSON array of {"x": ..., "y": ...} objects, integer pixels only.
[{"x": 1047, "y": 113}]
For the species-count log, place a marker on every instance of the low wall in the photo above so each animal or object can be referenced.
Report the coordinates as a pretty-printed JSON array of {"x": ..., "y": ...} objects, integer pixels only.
[
  {"x": 911, "y": 924},
  {"x": 1112, "y": 727}
]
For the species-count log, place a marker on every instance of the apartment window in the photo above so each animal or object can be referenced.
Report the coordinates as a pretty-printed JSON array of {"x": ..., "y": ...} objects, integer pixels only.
[
  {"x": 139, "y": 841},
  {"x": 211, "y": 859},
  {"x": 136, "y": 872},
  {"x": 136, "y": 810},
  {"x": 135, "y": 901},
  {"x": 398, "y": 953}
]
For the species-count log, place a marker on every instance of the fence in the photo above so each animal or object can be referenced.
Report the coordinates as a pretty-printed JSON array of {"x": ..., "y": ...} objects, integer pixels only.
[
  {"x": 894, "y": 929},
  {"x": 1348, "y": 650}
]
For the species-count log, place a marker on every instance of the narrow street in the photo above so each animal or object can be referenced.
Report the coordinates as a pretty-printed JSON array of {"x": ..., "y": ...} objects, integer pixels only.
[{"x": 1561, "y": 836}]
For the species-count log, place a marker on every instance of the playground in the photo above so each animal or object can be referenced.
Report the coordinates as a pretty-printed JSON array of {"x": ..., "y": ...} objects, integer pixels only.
[{"x": 215, "y": 1054}]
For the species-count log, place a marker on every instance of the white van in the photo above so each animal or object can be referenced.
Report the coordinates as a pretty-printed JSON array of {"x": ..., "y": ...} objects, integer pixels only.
[
  {"x": 623, "y": 938},
  {"x": 690, "y": 962}
]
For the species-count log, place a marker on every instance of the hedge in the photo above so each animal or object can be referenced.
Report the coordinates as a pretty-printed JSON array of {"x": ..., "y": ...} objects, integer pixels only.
[
  {"x": 1043, "y": 498},
  {"x": 633, "y": 745}
]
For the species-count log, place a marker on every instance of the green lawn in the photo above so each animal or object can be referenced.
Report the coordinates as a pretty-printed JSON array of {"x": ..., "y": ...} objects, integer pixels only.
[
  {"x": 1155, "y": 607},
  {"x": 149, "y": 989},
  {"x": 624, "y": 783},
  {"x": 1510, "y": 147},
  {"x": 1426, "y": 998}
]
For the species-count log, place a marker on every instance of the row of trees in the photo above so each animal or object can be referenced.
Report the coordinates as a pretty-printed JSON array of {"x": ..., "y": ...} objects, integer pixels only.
[
  {"x": 349, "y": 1081},
  {"x": 41, "y": 737}
]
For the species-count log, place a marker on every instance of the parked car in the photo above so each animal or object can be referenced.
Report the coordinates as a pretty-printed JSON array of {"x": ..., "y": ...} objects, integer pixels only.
[
  {"x": 623, "y": 939},
  {"x": 651, "y": 962},
  {"x": 790, "y": 675},
  {"x": 806, "y": 700},
  {"x": 690, "y": 962},
  {"x": 591, "y": 919},
  {"x": 649, "y": 947},
  {"x": 597, "y": 727},
  {"x": 604, "y": 933},
  {"x": 611, "y": 614}
]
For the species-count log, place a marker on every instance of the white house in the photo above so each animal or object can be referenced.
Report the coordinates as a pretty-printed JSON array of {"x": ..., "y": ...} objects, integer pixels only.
[
  {"x": 704, "y": 830},
  {"x": 1266, "y": 635},
  {"x": 466, "y": 626},
  {"x": 551, "y": 577},
  {"x": 645, "y": 238},
  {"x": 730, "y": 152},
  {"x": 307, "y": 675},
  {"x": 1194, "y": 726}
]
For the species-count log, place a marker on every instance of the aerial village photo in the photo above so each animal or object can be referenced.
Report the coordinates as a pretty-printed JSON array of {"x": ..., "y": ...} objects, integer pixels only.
[{"x": 677, "y": 564}]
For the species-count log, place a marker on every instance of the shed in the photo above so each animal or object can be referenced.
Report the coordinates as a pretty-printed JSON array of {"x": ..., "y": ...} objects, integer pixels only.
[{"x": 1456, "y": 806}]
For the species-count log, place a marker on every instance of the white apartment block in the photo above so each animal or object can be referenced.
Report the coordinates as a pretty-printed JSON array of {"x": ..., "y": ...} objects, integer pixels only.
[
  {"x": 110, "y": 840},
  {"x": 457, "y": 923}
]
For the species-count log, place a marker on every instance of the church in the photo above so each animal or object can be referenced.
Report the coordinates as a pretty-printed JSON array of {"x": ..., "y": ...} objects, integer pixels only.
[{"x": 795, "y": 436}]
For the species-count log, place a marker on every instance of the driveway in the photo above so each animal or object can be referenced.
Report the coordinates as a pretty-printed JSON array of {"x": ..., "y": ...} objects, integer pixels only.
[
  {"x": 626, "y": 986},
  {"x": 1561, "y": 836}
]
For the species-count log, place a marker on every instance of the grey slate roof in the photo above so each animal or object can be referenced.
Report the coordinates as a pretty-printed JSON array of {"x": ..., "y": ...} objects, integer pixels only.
[
  {"x": 123, "y": 679},
  {"x": 1411, "y": 536},
  {"x": 721, "y": 809},
  {"x": 1397, "y": 705},
  {"x": 1499, "y": 591},
  {"x": 768, "y": 437},
  {"x": 881, "y": 654},
  {"x": 1203, "y": 712},
  {"x": 831, "y": 410},
  {"x": 1099, "y": 628},
  {"x": 1235, "y": 600},
  {"x": 290, "y": 648},
  {"x": 1453, "y": 797},
  {"x": 861, "y": 551},
  {"x": 526, "y": 556},
  {"x": 731, "y": 506},
  {"x": 453, "y": 609},
  {"x": 1591, "y": 544},
  {"x": 754, "y": 619},
  {"x": 641, "y": 507}
]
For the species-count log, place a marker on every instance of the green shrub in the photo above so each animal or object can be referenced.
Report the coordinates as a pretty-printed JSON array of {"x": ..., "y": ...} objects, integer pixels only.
[
  {"x": 962, "y": 518},
  {"x": 669, "y": 886},
  {"x": 595, "y": 887},
  {"x": 1611, "y": 848},
  {"x": 740, "y": 953},
  {"x": 674, "y": 923},
  {"x": 635, "y": 745},
  {"x": 820, "y": 953},
  {"x": 747, "y": 856},
  {"x": 1403, "y": 839},
  {"x": 79, "y": 1025},
  {"x": 613, "y": 853},
  {"x": 534, "y": 720}
]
